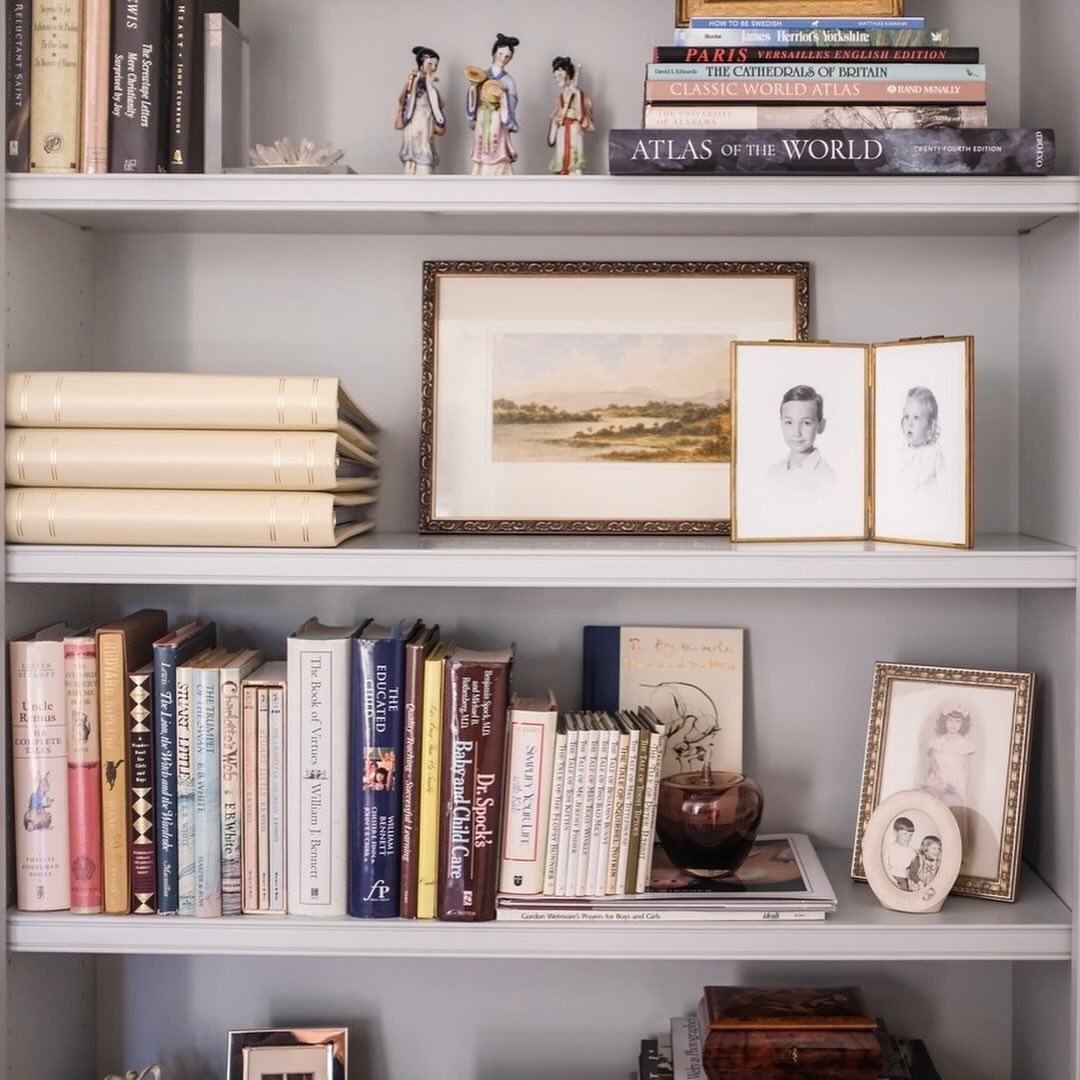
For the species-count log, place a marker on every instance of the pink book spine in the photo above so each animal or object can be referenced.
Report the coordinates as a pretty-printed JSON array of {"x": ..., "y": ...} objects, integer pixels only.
[
  {"x": 84, "y": 773},
  {"x": 249, "y": 834},
  {"x": 696, "y": 91}
]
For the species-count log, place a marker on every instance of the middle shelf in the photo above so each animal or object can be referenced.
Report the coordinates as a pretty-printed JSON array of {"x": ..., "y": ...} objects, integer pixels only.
[
  {"x": 1003, "y": 561},
  {"x": 1037, "y": 927}
]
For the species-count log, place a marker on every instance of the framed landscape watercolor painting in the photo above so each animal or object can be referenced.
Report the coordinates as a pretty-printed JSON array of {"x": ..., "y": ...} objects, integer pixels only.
[
  {"x": 685, "y": 10},
  {"x": 588, "y": 397}
]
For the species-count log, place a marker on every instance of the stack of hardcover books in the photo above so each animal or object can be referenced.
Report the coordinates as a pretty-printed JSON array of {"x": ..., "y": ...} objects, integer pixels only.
[
  {"x": 768, "y": 1033},
  {"x": 186, "y": 459},
  {"x": 781, "y": 880},
  {"x": 868, "y": 96}
]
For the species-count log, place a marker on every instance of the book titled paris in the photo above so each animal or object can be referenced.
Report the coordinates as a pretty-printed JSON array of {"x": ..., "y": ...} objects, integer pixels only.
[{"x": 691, "y": 677}]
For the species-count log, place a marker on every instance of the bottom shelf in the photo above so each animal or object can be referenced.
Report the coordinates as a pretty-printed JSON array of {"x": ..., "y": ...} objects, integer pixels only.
[{"x": 1037, "y": 927}]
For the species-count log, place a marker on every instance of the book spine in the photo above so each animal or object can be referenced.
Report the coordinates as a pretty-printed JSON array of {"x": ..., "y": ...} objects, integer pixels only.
[
  {"x": 528, "y": 801},
  {"x": 262, "y": 774},
  {"x": 611, "y": 884},
  {"x": 648, "y": 813},
  {"x": 637, "y": 814},
  {"x": 566, "y": 819},
  {"x": 185, "y": 793},
  {"x": 249, "y": 756},
  {"x": 571, "y": 829},
  {"x": 927, "y": 153},
  {"x": 686, "y": 1049},
  {"x": 185, "y": 129},
  {"x": 114, "y": 777},
  {"x": 232, "y": 797},
  {"x": 55, "y": 85},
  {"x": 143, "y": 872},
  {"x": 84, "y": 773},
  {"x": 316, "y": 796},
  {"x": 137, "y": 86},
  {"x": 375, "y": 755},
  {"x": 596, "y": 818},
  {"x": 754, "y": 117},
  {"x": 412, "y": 718},
  {"x": 600, "y": 668},
  {"x": 476, "y": 695},
  {"x": 165, "y": 822},
  {"x": 552, "y": 819},
  {"x": 607, "y": 825},
  {"x": 750, "y": 54},
  {"x": 39, "y": 760},
  {"x": 94, "y": 134},
  {"x": 870, "y": 92},
  {"x": 651, "y": 915},
  {"x": 588, "y": 815},
  {"x": 276, "y": 820},
  {"x": 703, "y": 22},
  {"x": 17, "y": 85},
  {"x": 430, "y": 783},
  {"x": 633, "y": 740},
  {"x": 206, "y": 760},
  {"x": 779, "y": 37},
  {"x": 810, "y": 73}
]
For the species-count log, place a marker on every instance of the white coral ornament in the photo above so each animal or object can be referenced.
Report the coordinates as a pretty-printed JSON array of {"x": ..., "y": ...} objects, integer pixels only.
[{"x": 284, "y": 153}]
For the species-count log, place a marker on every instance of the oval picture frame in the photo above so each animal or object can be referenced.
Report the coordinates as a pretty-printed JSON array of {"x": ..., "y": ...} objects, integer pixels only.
[{"x": 911, "y": 852}]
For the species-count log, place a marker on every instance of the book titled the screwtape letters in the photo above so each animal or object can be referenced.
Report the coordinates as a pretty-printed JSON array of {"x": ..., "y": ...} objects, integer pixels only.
[
  {"x": 151, "y": 399},
  {"x": 317, "y": 759}
]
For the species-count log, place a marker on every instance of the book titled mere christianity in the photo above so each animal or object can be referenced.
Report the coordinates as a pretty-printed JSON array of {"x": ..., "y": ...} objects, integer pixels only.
[{"x": 938, "y": 152}]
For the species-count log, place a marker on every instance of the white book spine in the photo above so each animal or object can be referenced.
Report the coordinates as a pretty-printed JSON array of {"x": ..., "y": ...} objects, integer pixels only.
[
  {"x": 686, "y": 1049},
  {"x": 579, "y": 840},
  {"x": 185, "y": 793},
  {"x": 657, "y": 738},
  {"x": 554, "y": 815},
  {"x": 628, "y": 809},
  {"x": 249, "y": 757},
  {"x": 278, "y": 805},
  {"x": 206, "y": 743},
  {"x": 528, "y": 801},
  {"x": 596, "y": 797},
  {"x": 611, "y": 885},
  {"x": 317, "y": 729},
  {"x": 262, "y": 779},
  {"x": 573, "y": 757},
  {"x": 607, "y": 816},
  {"x": 652, "y": 915}
]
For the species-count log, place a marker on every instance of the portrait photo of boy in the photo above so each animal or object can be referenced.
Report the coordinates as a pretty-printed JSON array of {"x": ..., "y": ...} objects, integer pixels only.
[{"x": 799, "y": 430}]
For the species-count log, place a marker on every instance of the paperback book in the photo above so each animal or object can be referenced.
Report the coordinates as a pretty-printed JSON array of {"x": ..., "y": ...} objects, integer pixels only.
[
  {"x": 940, "y": 152},
  {"x": 781, "y": 37}
]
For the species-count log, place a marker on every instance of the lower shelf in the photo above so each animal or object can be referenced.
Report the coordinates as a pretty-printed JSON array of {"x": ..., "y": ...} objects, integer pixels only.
[{"x": 1037, "y": 927}]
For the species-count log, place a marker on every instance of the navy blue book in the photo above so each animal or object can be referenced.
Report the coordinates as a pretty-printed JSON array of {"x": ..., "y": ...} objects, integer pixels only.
[
  {"x": 174, "y": 648},
  {"x": 376, "y": 744}
]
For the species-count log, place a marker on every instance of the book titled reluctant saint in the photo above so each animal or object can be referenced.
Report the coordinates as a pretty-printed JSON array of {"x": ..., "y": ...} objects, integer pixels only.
[{"x": 938, "y": 152}]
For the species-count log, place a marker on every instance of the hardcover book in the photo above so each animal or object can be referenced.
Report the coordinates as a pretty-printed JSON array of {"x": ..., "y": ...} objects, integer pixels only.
[
  {"x": 206, "y": 763},
  {"x": 17, "y": 85},
  {"x": 84, "y": 771},
  {"x": 138, "y": 87},
  {"x": 96, "y": 79},
  {"x": 186, "y": 459},
  {"x": 476, "y": 694},
  {"x": 809, "y": 72},
  {"x": 813, "y": 91},
  {"x": 55, "y": 85},
  {"x": 427, "y": 851},
  {"x": 319, "y": 659},
  {"x": 757, "y": 117},
  {"x": 174, "y": 648},
  {"x": 691, "y": 678},
  {"x": 941, "y": 152},
  {"x": 122, "y": 646},
  {"x": 39, "y": 759},
  {"x": 143, "y": 865},
  {"x": 861, "y": 54},
  {"x": 376, "y": 738},
  {"x": 780, "y": 37}
]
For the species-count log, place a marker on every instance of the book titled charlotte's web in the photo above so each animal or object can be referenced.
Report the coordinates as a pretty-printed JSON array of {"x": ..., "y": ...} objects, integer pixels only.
[{"x": 937, "y": 152}]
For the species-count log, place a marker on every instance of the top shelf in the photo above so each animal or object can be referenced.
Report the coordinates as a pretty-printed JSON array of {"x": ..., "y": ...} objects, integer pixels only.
[{"x": 588, "y": 205}]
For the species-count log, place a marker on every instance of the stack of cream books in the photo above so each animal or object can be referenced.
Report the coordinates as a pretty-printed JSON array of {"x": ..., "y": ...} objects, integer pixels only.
[{"x": 147, "y": 458}]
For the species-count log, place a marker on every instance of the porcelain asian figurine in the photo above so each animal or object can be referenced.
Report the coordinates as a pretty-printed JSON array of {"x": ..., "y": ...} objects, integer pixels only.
[
  {"x": 491, "y": 106},
  {"x": 420, "y": 115},
  {"x": 570, "y": 120}
]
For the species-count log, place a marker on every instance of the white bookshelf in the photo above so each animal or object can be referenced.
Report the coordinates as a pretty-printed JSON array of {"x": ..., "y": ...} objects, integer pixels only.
[{"x": 322, "y": 274}]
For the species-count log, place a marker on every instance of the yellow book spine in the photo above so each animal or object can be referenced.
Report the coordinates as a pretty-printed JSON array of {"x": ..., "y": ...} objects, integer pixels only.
[
  {"x": 430, "y": 755},
  {"x": 114, "y": 784}
]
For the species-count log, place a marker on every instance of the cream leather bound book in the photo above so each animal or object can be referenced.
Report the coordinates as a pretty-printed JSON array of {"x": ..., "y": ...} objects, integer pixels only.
[
  {"x": 222, "y": 460},
  {"x": 147, "y": 399},
  {"x": 184, "y": 518}
]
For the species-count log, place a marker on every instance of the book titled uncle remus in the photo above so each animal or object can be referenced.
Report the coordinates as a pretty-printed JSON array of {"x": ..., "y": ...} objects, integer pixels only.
[{"x": 939, "y": 152}]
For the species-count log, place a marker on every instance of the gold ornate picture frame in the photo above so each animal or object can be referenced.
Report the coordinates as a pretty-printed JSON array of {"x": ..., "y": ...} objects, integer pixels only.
[
  {"x": 785, "y": 9},
  {"x": 588, "y": 397},
  {"x": 963, "y": 735}
]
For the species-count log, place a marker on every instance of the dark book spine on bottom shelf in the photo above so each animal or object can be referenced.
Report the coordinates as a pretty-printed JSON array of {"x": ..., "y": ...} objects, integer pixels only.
[{"x": 938, "y": 152}]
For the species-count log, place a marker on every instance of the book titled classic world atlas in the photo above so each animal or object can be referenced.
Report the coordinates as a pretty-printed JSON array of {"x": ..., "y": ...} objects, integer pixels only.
[{"x": 938, "y": 152}]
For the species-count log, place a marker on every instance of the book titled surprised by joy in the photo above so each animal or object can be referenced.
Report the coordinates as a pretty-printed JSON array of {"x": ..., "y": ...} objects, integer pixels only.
[{"x": 691, "y": 677}]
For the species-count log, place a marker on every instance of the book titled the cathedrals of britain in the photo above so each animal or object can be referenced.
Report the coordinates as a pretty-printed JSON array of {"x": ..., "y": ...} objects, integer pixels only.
[{"x": 974, "y": 152}]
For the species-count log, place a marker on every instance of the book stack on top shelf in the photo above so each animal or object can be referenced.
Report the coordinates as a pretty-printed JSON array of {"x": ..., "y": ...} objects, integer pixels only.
[
  {"x": 821, "y": 95},
  {"x": 186, "y": 459}
]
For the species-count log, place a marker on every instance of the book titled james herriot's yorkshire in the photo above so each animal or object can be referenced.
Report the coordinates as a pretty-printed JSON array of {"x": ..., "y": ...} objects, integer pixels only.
[{"x": 938, "y": 152}]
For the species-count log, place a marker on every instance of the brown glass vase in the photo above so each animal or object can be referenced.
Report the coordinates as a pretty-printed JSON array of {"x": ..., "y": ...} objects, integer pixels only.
[{"x": 707, "y": 821}]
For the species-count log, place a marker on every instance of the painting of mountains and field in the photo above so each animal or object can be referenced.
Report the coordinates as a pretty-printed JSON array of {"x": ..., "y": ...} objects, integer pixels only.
[{"x": 596, "y": 397}]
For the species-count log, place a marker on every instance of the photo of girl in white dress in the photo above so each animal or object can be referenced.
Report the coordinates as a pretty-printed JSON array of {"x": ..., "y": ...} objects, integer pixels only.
[{"x": 950, "y": 755}]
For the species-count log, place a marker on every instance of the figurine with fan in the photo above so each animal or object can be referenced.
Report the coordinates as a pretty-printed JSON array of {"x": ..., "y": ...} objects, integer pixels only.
[{"x": 491, "y": 106}]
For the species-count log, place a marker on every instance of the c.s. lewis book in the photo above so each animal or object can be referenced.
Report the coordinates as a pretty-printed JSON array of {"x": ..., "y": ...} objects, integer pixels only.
[
  {"x": 749, "y": 117},
  {"x": 940, "y": 152},
  {"x": 691, "y": 677}
]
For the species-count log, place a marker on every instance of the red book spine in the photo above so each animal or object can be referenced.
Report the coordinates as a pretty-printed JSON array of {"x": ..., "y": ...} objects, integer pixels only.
[
  {"x": 476, "y": 695},
  {"x": 84, "y": 773},
  {"x": 142, "y": 854}
]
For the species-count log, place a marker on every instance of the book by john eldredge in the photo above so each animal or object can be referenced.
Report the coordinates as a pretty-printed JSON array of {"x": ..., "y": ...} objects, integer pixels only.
[{"x": 937, "y": 152}]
